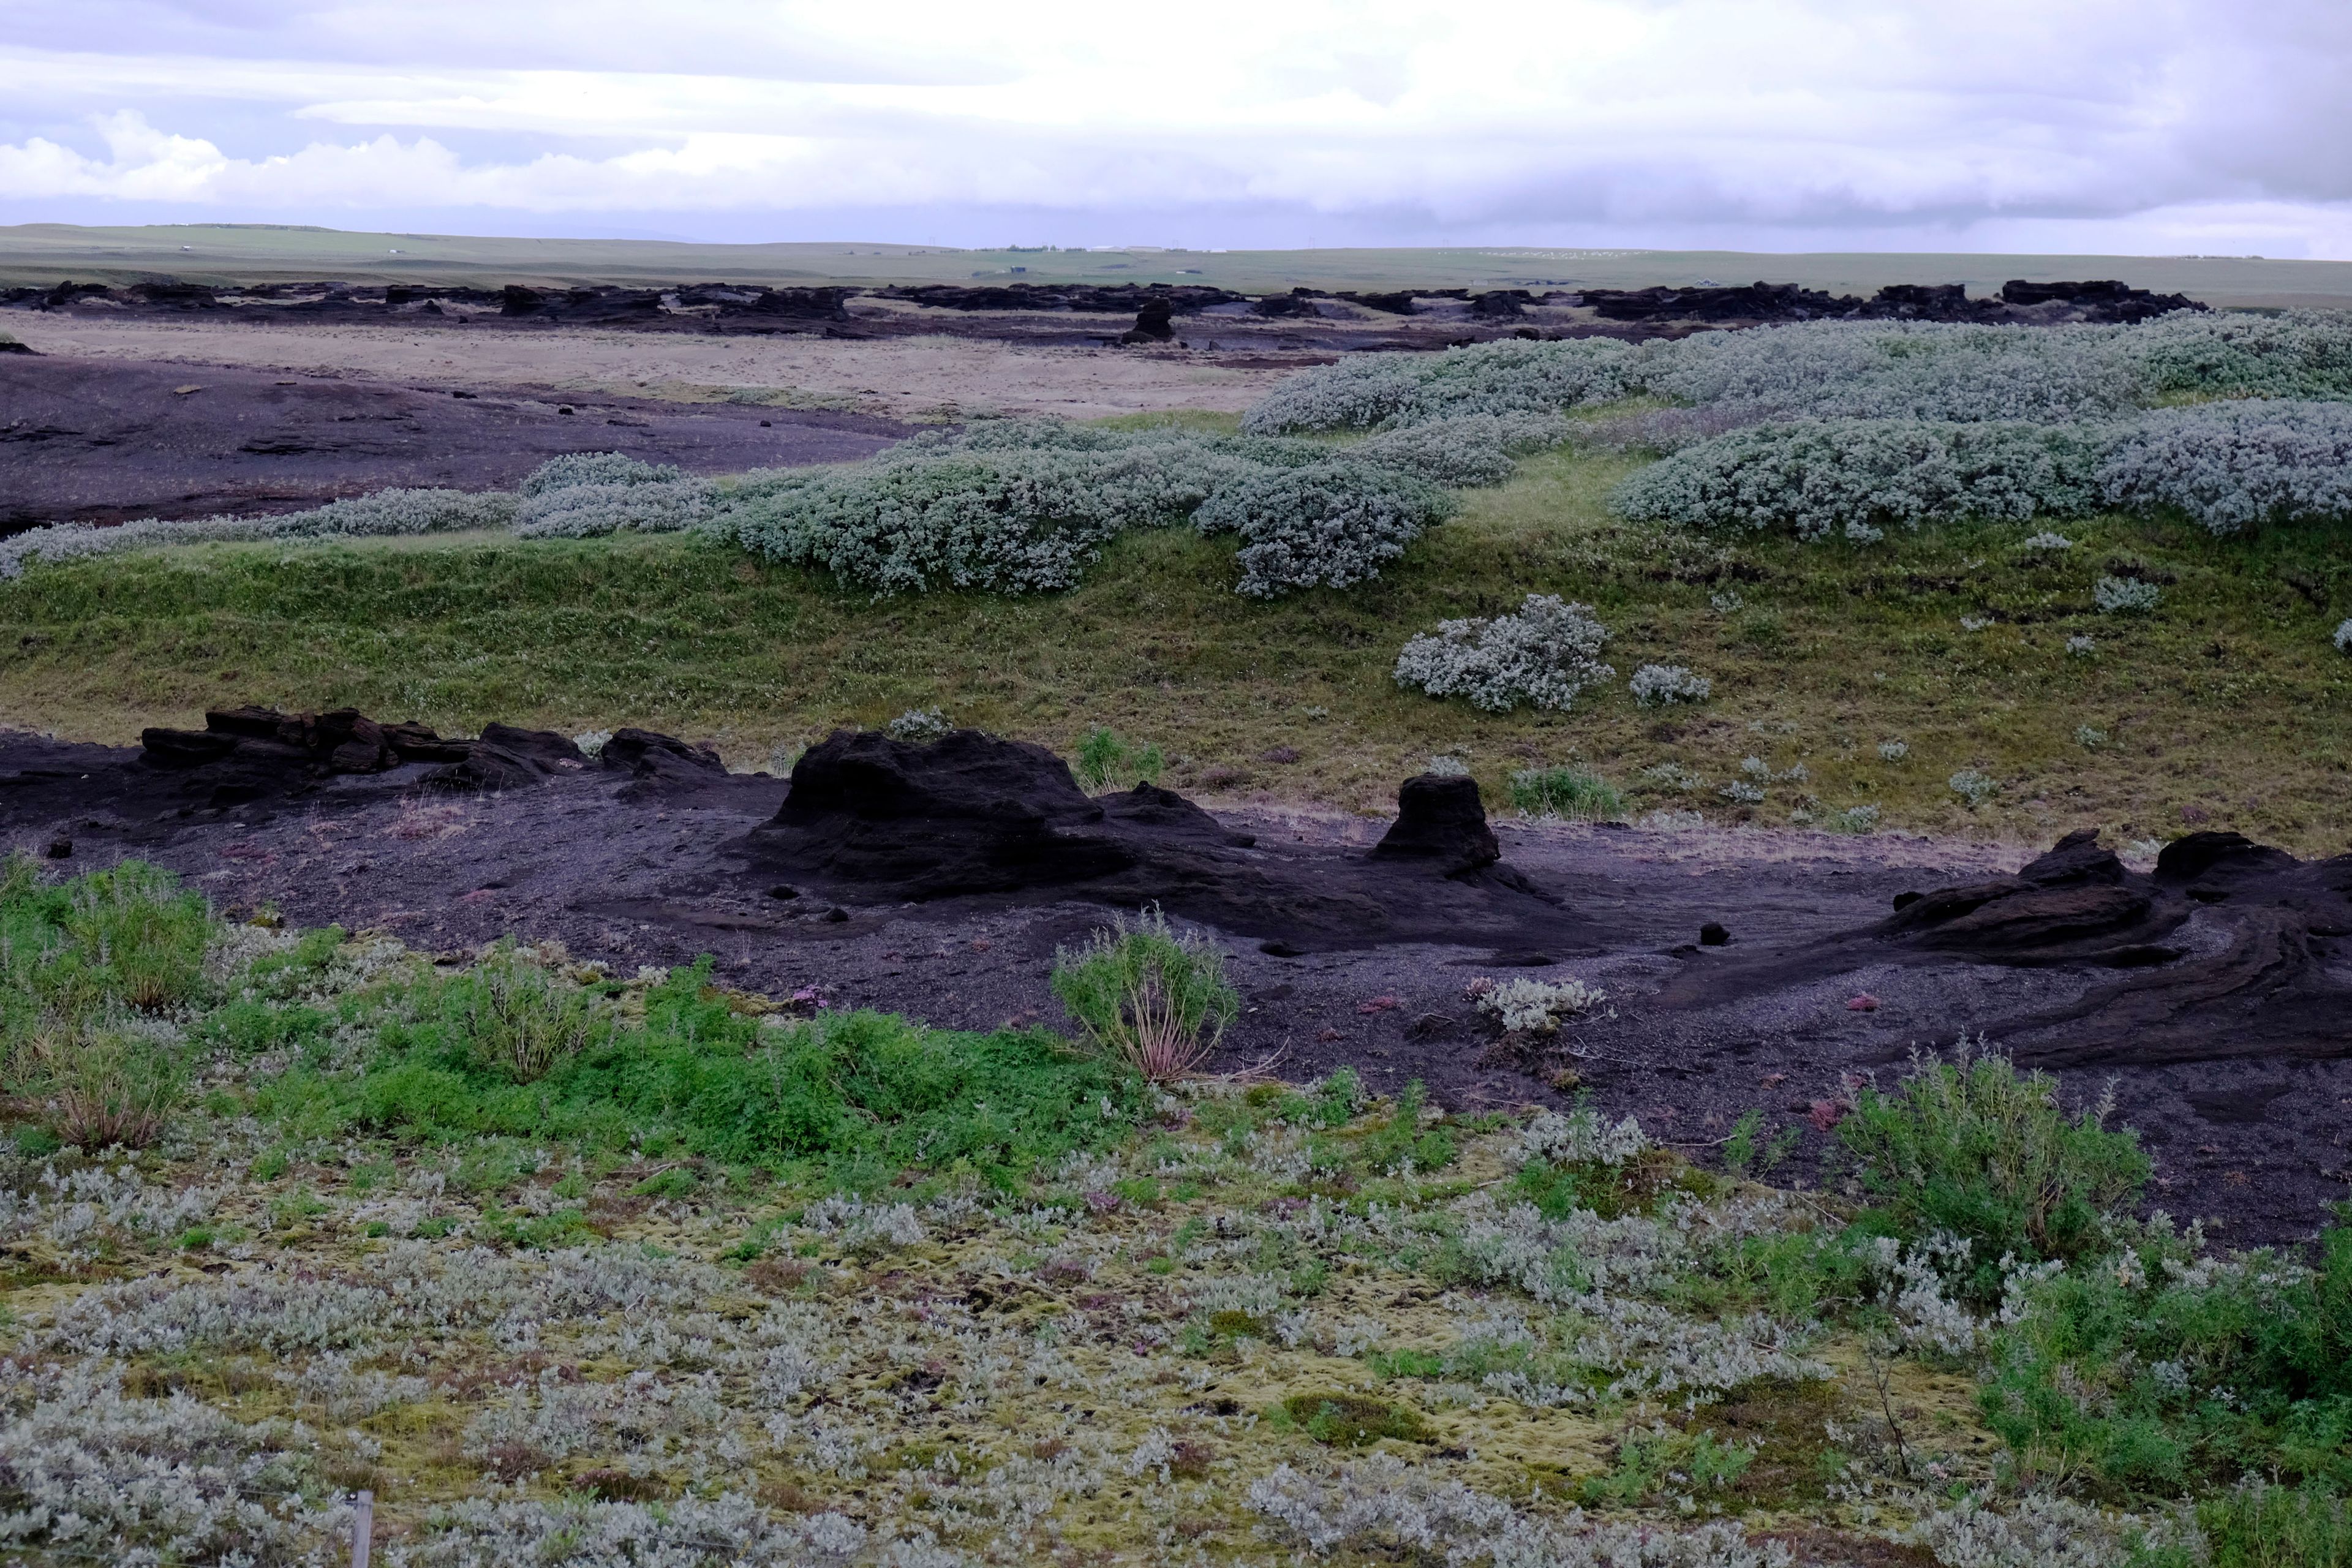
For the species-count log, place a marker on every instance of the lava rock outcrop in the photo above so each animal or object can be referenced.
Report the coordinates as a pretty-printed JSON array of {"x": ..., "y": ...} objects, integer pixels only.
[
  {"x": 248, "y": 754},
  {"x": 1441, "y": 820},
  {"x": 2233, "y": 950},
  {"x": 878, "y": 821}
]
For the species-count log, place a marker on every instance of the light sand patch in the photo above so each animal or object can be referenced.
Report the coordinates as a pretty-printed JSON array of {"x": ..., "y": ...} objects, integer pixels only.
[{"x": 926, "y": 378}]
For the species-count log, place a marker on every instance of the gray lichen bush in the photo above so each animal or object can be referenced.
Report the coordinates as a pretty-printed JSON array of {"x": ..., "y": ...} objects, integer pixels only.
[
  {"x": 1464, "y": 452},
  {"x": 2125, "y": 596},
  {"x": 596, "y": 471},
  {"x": 2344, "y": 636},
  {"x": 1662, "y": 685},
  {"x": 1332, "y": 524},
  {"x": 919, "y": 724},
  {"x": 1023, "y": 506},
  {"x": 1858, "y": 476},
  {"x": 1974, "y": 785},
  {"x": 385, "y": 512},
  {"x": 1897, "y": 370},
  {"x": 93, "y": 1473},
  {"x": 1543, "y": 656},
  {"x": 1388, "y": 391},
  {"x": 2237, "y": 466}
]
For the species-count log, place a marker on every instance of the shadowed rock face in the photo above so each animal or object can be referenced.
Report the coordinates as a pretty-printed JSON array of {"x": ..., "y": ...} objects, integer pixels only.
[
  {"x": 248, "y": 755},
  {"x": 2237, "y": 951},
  {"x": 884, "y": 821},
  {"x": 1442, "y": 820}
]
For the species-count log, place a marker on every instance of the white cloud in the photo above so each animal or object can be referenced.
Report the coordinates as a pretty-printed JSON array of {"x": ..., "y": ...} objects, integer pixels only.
[{"x": 1814, "y": 117}]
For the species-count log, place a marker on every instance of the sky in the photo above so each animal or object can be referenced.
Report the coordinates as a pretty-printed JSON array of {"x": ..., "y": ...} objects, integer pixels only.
[{"x": 2152, "y": 126}]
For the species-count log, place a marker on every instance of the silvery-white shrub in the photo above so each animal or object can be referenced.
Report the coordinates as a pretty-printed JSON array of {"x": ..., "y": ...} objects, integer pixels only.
[
  {"x": 2236, "y": 466},
  {"x": 1893, "y": 750},
  {"x": 1854, "y": 819},
  {"x": 2344, "y": 636},
  {"x": 1581, "y": 1137},
  {"x": 1374, "y": 391},
  {"x": 1460, "y": 454},
  {"x": 586, "y": 512},
  {"x": 1858, "y": 476},
  {"x": 592, "y": 741},
  {"x": 2123, "y": 596},
  {"x": 385, "y": 512},
  {"x": 1537, "y": 1007},
  {"x": 1892, "y": 370},
  {"x": 1331, "y": 524},
  {"x": 2089, "y": 738},
  {"x": 1658, "y": 685},
  {"x": 919, "y": 724},
  {"x": 2046, "y": 544},
  {"x": 576, "y": 470},
  {"x": 1445, "y": 765},
  {"x": 2082, "y": 646},
  {"x": 1974, "y": 785},
  {"x": 1542, "y": 656}
]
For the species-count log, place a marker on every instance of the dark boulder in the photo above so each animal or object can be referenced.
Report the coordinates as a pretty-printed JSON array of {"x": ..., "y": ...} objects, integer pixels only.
[
  {"x": 544, "y": 749},
  {"x": 965, "y": 814},
  {"x": 1440, "y": 819},
  {"x": 1501, "y": 304},
  {"x": 660, "y": 764},
  {"x": 514, "y": 299},
  {"x": 1153, "y": 323}
]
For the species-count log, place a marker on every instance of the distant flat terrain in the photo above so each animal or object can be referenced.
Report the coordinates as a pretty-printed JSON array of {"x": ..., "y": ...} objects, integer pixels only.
[{"x": 236, "y": 253}]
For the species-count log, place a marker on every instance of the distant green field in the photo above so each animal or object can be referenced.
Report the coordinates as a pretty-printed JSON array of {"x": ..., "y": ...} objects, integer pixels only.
[
  {"x": 2227, "y": 706},
  {"x": 253, "y": 253}
]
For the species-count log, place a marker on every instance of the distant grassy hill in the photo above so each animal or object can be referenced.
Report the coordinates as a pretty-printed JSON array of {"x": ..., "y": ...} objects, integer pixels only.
[
  {"x": 255, "y": 253},
  {"x": 2227, "y": 706}
]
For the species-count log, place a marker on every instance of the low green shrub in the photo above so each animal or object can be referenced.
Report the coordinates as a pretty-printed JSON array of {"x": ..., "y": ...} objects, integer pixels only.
[
  {"x": 2259, "y": 1525},
  {"x": 1104, "y": 759},
  {"x": 2155, "y": 1369},
  {"x": 1973, "y": 1149},
  {"x": 1572, "y": 795},
  {"x": 855, "y": 1096},
  {"x": 1147, "y": 996}
]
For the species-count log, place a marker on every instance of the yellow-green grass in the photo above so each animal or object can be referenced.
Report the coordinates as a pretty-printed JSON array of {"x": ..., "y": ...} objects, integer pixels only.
[{"x": 2227, "y": 706}]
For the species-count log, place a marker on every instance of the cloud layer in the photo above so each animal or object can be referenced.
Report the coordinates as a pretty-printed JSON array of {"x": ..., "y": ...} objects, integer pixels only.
[{"x": 2159, "y": 124}]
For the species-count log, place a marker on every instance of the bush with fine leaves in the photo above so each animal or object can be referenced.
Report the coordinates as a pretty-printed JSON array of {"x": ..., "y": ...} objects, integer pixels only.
[
  {"x": 1332, "y": 524},
  {"x": 1383, "y": 391},
  {"x": 1861, "y": 476},
  {"x": 2237, "y": 466},
  {"x": 1544, "y": 655}
]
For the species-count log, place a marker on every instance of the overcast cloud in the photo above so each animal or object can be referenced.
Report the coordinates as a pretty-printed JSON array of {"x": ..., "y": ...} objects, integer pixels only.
[{"x": 2078, "y": 125}]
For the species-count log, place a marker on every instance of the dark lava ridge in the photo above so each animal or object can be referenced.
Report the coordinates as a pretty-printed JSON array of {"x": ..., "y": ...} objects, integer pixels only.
[{"x": 872, "y": 820}]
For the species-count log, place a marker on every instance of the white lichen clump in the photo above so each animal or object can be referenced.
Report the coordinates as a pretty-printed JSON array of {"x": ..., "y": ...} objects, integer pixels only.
[
  {"x": 1543, "y": 656},
  {"x": 1537, "y": 1007},
  {"x": 1658, "y": 685}
]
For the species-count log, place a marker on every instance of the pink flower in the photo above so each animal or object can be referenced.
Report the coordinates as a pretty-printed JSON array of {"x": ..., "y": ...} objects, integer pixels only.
[{"x": 1865, "y": 1003}]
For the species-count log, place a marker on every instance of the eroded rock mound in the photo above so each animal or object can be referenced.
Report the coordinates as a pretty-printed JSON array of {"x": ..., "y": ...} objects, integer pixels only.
[
  {"x": 965, "y": 814},
  {"x": 2235, "y": 949},
  {"x": 2077, "y": 904},
  {"x": 1442, "y": 820},
  {"x": 252, "y": 754},
  {"x": 883, "y": 821}
]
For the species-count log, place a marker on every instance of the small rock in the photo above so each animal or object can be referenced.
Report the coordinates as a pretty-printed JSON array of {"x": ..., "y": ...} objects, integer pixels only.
[
  {"x": 836, "y": 915},
  {"x": 783, "y": 890},
  {"x": 1865, "y": 1003},
  {"x": 1905, "y": 901},
  {"x": 1712, "y": 935}
]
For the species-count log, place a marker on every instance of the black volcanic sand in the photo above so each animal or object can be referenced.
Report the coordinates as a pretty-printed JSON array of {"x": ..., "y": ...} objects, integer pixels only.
[
  {"x": 2214, "y": 993},
  {"x": 106, "y": 440}
]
